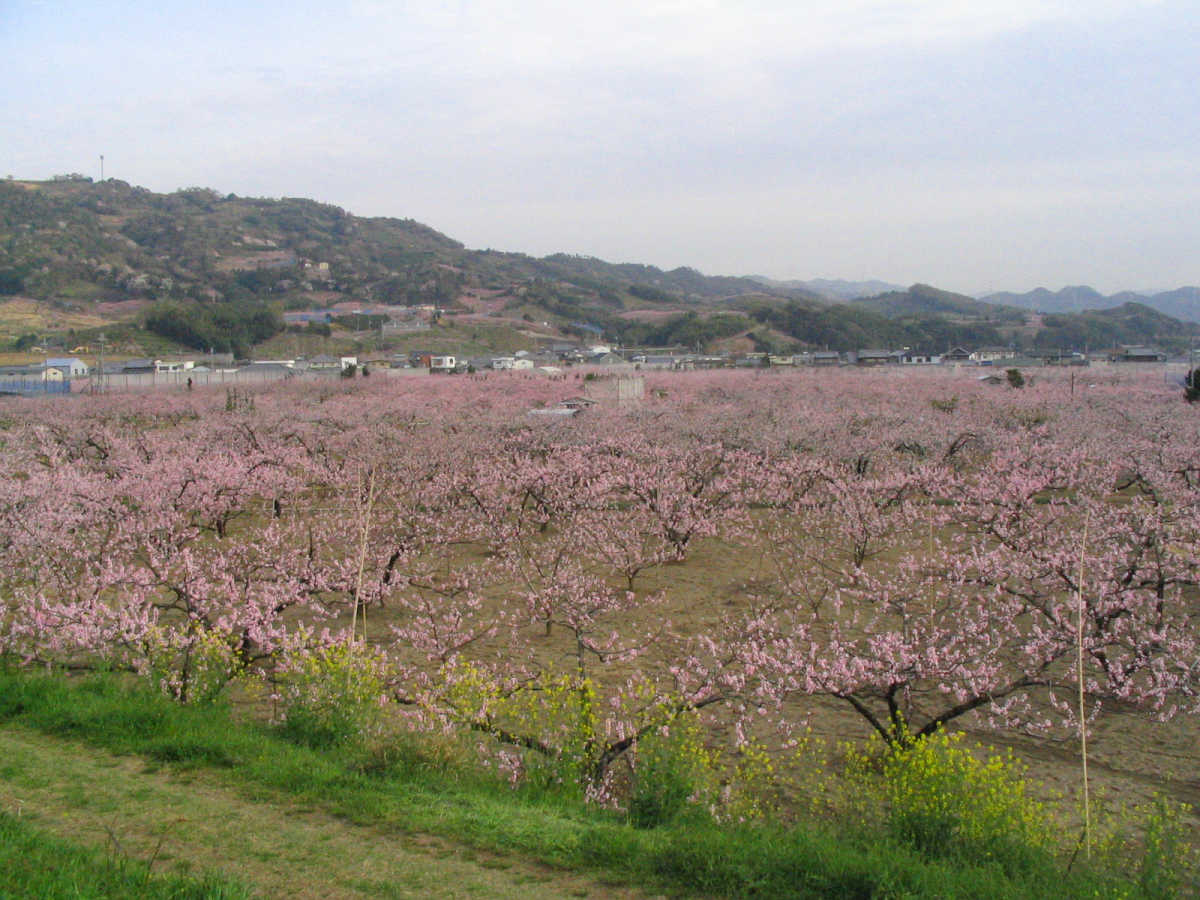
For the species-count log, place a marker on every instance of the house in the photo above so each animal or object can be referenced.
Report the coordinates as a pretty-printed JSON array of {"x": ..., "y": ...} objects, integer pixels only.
[
  {"x": 1063, "y": 358},
  {"x": 507, "y": 363},
  {"x": 32, "y": 381},
  {"x": 69, "y": 366},
  {"x": 875, "y": 358},
  {"x": 323, "y": 362},
  {"x": 1136, "y": 353},
  {"x": 136, "y": 367},
  {"x": 656, "y": 361},
  {"x": 751, "y": 361},
  {"x": 269, "y": 370},
  {"x": 825, "y": 358},
  {"x": 442, "y": 363},
  {"x": 908, "y": 358},
  {"x": 608, "y": 359},
  {"x": 169, "y": 366},
  {"x": 956, "y": 355},
  {"x": 992, "y": 354}
]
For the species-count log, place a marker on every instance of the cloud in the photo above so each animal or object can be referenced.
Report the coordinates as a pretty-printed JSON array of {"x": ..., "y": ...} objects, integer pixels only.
[{"x": 866, "y": 130}]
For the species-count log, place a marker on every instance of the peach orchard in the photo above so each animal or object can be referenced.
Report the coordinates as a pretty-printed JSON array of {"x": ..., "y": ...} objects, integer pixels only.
[{"x": 931, "y": 550}]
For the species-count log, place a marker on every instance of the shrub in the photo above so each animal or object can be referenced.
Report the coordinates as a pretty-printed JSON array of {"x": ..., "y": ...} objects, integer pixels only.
[
  {"x": 1148, "y": 844},
  {"x": 1168, "y": 864},
  {"x": 193, "y": 665},
  {"x": 945, "y": 798},
  {"x": 553, "y": 717},
  {"x": 1191, "y": 386},
  {"x": 333, "y": 695},
  {"x": 672, "y": 771}
]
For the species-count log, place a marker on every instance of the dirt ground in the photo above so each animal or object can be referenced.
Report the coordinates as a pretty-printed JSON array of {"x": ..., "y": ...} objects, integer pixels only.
[{"x": 1132, "y": 756}]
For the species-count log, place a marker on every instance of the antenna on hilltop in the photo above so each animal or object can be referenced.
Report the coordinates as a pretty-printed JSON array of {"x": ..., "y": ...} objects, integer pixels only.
[{"x": 101, "y": 166}]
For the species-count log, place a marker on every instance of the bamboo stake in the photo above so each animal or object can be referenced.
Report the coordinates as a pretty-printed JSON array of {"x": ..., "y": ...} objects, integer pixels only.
[
  {"x": 1087, "y": 810},
  {"x": 364, "y": 533}
]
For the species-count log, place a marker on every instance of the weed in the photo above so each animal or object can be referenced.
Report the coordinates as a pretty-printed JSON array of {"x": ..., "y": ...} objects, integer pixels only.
[
  {"x": 333, "y": 696},
  {"x": 944, "y": 798}
]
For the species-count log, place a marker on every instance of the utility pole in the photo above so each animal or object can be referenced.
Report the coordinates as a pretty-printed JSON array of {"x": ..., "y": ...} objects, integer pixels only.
[{"x": 100, "y": 365}]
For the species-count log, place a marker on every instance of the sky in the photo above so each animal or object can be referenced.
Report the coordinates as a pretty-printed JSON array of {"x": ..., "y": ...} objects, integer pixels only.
[{"x": 977, "y": 146}]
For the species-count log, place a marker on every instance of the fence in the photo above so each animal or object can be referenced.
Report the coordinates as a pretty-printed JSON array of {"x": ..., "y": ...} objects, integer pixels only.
[
  {"x": 33, "y": 387},
  {"x": 146, "y": 381}
]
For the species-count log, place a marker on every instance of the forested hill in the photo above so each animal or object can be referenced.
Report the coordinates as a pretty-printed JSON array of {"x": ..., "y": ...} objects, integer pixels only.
[
  {"x": 201, "y": 269},
  {"x": 925, "y": 300},
  {"x": 1129, "y": 323},
  {"x": 78, "y": 240}
]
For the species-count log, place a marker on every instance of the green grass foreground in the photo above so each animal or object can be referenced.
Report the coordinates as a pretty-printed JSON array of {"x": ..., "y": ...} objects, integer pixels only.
[
  {"x": 36, "y": 864},
  {"x": 412, "y": 793}
]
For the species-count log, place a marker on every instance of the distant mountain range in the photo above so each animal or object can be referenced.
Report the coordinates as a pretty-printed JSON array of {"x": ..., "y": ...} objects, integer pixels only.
[
  {"x": 1181, "y": 303},
  {"x": 834, "y": 289}
]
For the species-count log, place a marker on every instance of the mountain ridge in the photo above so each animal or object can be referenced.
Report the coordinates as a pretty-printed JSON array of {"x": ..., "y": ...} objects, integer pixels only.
[
  {"x": 214, "y": 271},
  {"x": 1181, "y": 303}
]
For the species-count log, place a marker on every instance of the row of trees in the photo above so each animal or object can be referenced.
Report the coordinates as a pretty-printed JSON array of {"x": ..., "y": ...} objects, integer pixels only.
[
  {"x": 918, "y": 549},
  {"x": 220, "y": 327}
]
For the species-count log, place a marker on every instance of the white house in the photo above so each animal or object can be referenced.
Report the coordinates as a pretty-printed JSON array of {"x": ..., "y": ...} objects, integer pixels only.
[
  {"x": 172, "y": 365},
  {"x": 512, "y": 362},
  {"x": 993, "y": 354},
  {"x": 68, "y": 366}
]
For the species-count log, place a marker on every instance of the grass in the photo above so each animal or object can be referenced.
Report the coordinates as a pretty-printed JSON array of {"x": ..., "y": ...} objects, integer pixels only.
[
  {"x": 191, "y": 821},
  {"x": 34, "y": 863},
  {"x": 412, "y": 793},
  {"x": 21, "y": 316}
]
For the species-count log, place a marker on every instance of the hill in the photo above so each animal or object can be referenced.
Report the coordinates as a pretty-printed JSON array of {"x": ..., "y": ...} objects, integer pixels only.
[
  {"x": 210, "y": 271},
  {"x": 849, "y": 326},
  {"x": 126, "y": 254},
  {"x": 925, "y": 300},
  {"x": 1129, "y": 323},
  {"x": 833, "y": 289},
  {"x": 1182, "y": 303}
]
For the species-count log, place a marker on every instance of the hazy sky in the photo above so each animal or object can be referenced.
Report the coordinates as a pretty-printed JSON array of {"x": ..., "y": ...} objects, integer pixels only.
[{"x": 972, "y": 144}]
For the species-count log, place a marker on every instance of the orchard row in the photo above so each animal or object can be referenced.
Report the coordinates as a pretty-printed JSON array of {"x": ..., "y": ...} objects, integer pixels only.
[{"x": 928, "y": 548}]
